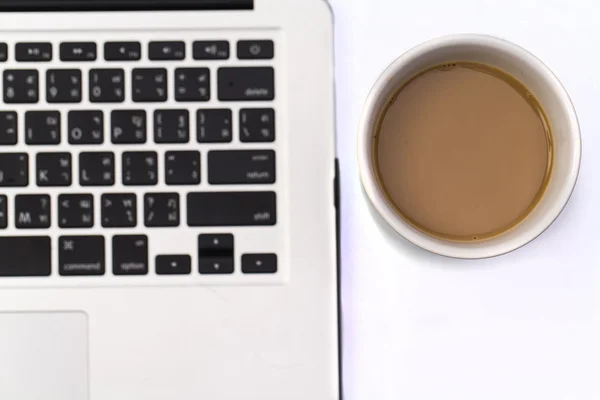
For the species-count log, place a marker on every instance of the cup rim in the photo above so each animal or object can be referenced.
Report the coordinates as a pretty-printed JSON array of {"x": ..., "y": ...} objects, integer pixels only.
[{"x": 379, "y": 200}]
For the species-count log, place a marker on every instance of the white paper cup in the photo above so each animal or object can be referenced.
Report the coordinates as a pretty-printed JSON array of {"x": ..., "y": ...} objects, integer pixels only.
[{"x": 544, "y": 85}]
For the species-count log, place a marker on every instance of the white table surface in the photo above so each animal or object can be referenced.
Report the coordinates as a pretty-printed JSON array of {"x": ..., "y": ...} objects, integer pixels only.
[{"x": 422, "y": 327}]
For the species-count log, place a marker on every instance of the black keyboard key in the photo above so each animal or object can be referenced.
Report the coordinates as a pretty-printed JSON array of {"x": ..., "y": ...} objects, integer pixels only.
[
  {"x": 182, "y": 168},
  {"x": 171, "y": 126},
  {"x": 259, "y": 263},
  {"x": 140, "y": 168},
  {"x": 78, "y": 51},
  {"x": 33, "y": 52},
  {"x": 173, "y": 265},
  {"x": 122, "y": 51},
  {"x": 81, "y": 256},
  {"x": 161, "y": 210},
  {"x": 216, "y": 254},
  {"x": 255, "y": 50},
  {"x": 97, "y": 169},
  {"x": 149, "y": 85},
  {"x": 25, "y": 256},
  {"x": 3, "y": 212},
  {"x": 211, "y": 50},
  {"x": 32, "y": 211},
  {"x": 241, "y": 167},
  {"x": 107, "y": 85},
  {"x": 21, "y": 86},
  {"x": 53, "y": 169},
  {"x": 119, "y": 210},
  {"x": 63, "y": 86},
  {"x": 128, "y": 126},
  {"x": 166, "y": 51},
  {"x": 232, "y": 209},
  {"x": 86, "y": 127},
  {"x": 246, "y": 83},
  {"x": 76, "y": 211},
  {"x": 3, "y": 52},
  {"x": 14, "y": 169},
  {"x": 257, "y": 125},
  {"x": 42, "y": 127},
  {"x": 216, "y": 265},
  {"x": 130, "y": 255},
  {"x": 214, "y": 126},
  {"x": 8, "y": 128},
  {"x": 192, "y": 84}
]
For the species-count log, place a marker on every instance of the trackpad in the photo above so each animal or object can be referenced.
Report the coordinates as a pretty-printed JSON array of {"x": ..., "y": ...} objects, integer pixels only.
[{"x": 44, "y": 356}]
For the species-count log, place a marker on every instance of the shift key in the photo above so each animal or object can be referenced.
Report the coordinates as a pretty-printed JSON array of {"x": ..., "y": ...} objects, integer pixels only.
[
  {"x": 241, "y": 167},
  {"x": 232, "y": 209}
]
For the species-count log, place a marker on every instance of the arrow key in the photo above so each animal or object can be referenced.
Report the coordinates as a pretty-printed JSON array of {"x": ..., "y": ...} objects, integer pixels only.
[
  {"x": 173, "y": 265},
  {"x": 259, "y": 263}
]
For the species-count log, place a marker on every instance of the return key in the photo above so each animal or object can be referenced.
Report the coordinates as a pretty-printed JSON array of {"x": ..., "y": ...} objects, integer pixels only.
[{"x": 241, "y": 167}]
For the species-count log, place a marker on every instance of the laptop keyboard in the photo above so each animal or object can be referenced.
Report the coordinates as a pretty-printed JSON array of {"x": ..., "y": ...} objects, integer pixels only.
[{"x": 138, "y": 158}]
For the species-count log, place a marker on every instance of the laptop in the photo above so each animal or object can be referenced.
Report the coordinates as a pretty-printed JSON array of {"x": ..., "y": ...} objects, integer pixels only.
[{"x": 167, "y": 200}]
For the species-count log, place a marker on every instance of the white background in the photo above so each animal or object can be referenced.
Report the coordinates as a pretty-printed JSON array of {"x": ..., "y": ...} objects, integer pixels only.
[{"x": 521, "y": 326}]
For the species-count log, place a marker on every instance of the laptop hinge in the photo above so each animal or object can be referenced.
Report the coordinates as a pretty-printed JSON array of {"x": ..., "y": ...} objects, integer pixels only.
[{"x": 123, "y": 5}]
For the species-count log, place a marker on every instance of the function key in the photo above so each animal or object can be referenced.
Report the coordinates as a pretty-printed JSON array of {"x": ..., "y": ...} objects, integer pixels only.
[
  {"x": 255, "y": 50},
  {"x": 86, "y": 127},
  {"x": 166, "y": 51},
  {"x": 42, "y": 127},
  {"x": 78, "y": 51},
  {"x": 21, "y": 86},
  {"x": 33, "y": 52},
  {"x": 119, "y": 210},
  {"x": 259, "y": 263},
  {"x": 130, "y": 255},
  {"x": 81, "y": 255},
  {"x": 14, "y": 169},
  {"x": 246, "y": 84},
  {"x": 63, "y": 86},
  {"x": 32, "y": 211},
  {"x": 214, "y": 126},
  {"x": 53, "y": 169},
  {"x": 122, "y": 51},
  {"x": 8, "y": 127},
  {"x": 257, "y": 125},
  {"x": 3, "y": 212},
  {"x": 211, "y": 50},
  {"x": 3, "y": 52},
  {"x": 149, "y": 85}
]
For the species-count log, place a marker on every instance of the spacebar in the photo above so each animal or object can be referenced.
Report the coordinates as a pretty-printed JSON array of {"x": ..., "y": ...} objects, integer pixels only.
[
  {"x": 25, "y": 256},
  {"x": 232, "y": 209}
]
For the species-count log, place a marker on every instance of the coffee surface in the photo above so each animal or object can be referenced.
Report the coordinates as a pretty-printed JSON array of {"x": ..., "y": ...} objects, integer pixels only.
[{"x": 463, "y": 152}]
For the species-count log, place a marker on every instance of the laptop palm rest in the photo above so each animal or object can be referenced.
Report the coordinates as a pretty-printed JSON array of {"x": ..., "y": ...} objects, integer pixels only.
[{"x": 44, "y": 356}]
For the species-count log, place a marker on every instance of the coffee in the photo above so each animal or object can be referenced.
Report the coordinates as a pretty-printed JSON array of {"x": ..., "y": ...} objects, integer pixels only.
[{"x": 463, "y": 152}]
